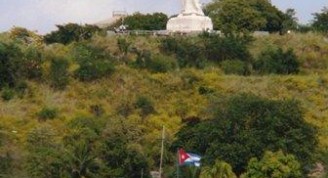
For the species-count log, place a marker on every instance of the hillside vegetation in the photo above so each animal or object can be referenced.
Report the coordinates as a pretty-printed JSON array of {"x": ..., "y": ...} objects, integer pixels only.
[{"x": 96, "y": 108}]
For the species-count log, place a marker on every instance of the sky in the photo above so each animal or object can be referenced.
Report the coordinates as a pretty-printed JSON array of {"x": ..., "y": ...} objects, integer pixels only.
[{"x": 43, "y": 15}]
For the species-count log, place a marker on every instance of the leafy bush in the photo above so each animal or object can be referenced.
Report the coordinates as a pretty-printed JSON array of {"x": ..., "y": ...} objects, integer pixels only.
[
  {"x": 138, "y": 21},
  {"x": 145, "y": 105},
  {"x": 202, "y": 90},
  {"x": 245, "y": 126},
  {"x": 71, "y": 32},
  {"x": 231, "y": 47},
  {"x": 188, "y": 52},
  {"x": 220, "y": 169},
  {"x": 7, "y": 94},
  {"x": 21, "y": 89},
  {"x": 234, "y": 67},
  {"x": 155, "y": 63},
  {"x": 123, "y": 45},
  {"x": 160, "y": 64},
  {"x": 196, "y": 51},
  {"x": 32, "y": 63},
  {"x": 47, "y": 113},
  {"x": 10, "y": 64},
  {"x": 59, "y": 74},
  {"x": 94, "y": 63},
  {"x": 273, "y": 165},
  {"x": 277, "y": 62}
]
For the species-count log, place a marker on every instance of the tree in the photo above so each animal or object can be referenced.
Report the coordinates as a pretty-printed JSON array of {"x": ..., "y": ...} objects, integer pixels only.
[
  {"x": 320, "y": 22},
  {"x": 71, "y": 32},
  {"x": 290, "y": 21},
  {"x": 274, "y": 17},
  {"x": 138, "y": 21},
  {"x": 232, "y": 16},
  {"x": 220, "y": 169},
  {"x": 244, "y": 126},
  {"x": 235, "y": 16},
  {"x": 273, "y": 165}
]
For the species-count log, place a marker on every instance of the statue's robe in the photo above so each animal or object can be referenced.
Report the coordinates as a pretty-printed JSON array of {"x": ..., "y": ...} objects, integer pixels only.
[{"x": 192, "y": 7}]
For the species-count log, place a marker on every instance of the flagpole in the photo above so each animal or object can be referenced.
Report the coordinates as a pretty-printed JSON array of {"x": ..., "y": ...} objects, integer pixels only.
[{"x": 162, "y": 153}]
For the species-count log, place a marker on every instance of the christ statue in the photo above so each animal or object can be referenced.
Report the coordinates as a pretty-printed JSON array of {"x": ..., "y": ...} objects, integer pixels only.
[{"x": 192, "y": 7}]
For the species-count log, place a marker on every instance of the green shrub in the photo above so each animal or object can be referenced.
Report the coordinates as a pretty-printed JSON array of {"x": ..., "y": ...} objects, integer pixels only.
[
  {"x": 219, "y": 48},
  {"x": 32, "y": 63},
  {"x": 277, "y": 61},
  {"x": 47, "y": 113},
  {"x": 123, "y": 45},
  {"x": 94, "y": 70},
  {"x": 59, "y": 75},
  {"x": 160, "y": 64},
  {"x": 189, "y": 52},
  {"x": 234, "y": 67},
  {"x": 202, "y": 90},
  {"x": 94, "y": 63},
  {"x": 7, "y": 94},
  {"x": 273, "y": 165},
  {"x": 145, "y": 104},
  {"x": 197, "y": 50},
  {"x": 71, "y": 32},
  {"x": 21, "y": 89},
  {"x": 10, "y": 64}
]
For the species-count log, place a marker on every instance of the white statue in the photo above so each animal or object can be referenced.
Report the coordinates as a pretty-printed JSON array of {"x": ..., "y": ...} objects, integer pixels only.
[
  {"x": 192, "y": 7},
  {"x": 191, "y": 19}
]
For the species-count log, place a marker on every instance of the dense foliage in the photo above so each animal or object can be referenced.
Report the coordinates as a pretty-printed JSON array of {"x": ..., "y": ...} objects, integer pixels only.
[
  {"x": 273, "y": 165},
  {"x": 71, "y": 32},
  {"x": 245, "y": 126},
  {"x": 246, "y": 16},
  {"x": 320, "y": 22},
  {"x": 96, "y": 108},
  {"x": 138, "y": 21},
  {"x": 277, "y": 62}
]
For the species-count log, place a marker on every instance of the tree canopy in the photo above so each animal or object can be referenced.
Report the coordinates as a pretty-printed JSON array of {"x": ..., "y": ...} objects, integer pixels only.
[
  {"x": 245, "y": 126},
  {"x": 248, "y": 15},
  {"x": 273, "y": 165},
  {"x": 320, "y": 22},
  {"x": 71, "y": 32},
  {"x": 139, "y": 21}
]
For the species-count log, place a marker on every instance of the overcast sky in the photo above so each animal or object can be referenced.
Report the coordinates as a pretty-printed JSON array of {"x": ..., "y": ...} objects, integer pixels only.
[{"x": 42, "y": 15}]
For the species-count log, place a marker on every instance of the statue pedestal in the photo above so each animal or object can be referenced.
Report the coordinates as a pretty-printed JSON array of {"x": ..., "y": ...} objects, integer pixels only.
[{"x": 189, "y": 23}]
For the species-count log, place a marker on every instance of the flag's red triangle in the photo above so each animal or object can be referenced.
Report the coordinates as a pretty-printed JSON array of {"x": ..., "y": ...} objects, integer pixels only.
[{"x": 183, "y": 156}]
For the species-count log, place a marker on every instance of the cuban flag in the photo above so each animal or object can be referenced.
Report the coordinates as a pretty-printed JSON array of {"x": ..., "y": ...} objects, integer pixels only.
[{"x": 188, "y": 158}]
